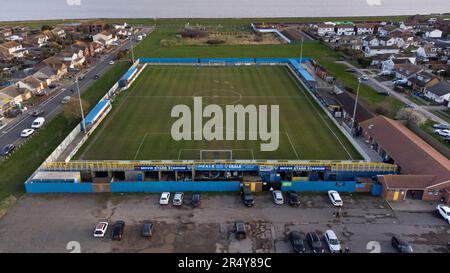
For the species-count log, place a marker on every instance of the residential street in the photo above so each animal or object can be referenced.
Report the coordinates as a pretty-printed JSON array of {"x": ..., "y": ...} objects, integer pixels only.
[
  {"x": 11, "y": 135},
  {"x": 372, "y": 82}
]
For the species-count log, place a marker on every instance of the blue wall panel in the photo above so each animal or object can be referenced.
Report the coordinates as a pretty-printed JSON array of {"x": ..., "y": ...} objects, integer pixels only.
[
  {"x": 173, "y": 186},
  {"x": 324, "y": 186},
  {"x": 58, "y": 187}
]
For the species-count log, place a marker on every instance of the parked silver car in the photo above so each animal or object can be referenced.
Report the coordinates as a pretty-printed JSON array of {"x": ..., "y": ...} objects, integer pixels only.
[
  {"x": 278, "y": 197},
  {"x": 178, "y": 199}
]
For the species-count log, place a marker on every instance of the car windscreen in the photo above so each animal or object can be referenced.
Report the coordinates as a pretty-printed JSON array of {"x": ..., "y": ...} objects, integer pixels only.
[{"x": 334, "y": 242}]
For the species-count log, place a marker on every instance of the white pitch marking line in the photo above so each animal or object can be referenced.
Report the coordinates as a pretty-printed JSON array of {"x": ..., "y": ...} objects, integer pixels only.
[
  {"x": 309, "y": 98},
  {"x": 292, "y": 145},
  {"x": 140, "y": 146}
]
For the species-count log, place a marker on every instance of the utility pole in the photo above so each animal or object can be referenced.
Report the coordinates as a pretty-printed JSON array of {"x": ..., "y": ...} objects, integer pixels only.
[
  {"x": 356, "y": 104},
  {"x": 301, "y": 51},
  {"x": 132, "y": 49},
  {"x": 81, "y": 105}
]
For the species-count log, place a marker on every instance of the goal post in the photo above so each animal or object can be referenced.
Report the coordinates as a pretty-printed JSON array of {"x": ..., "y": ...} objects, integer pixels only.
[{"x": 216, "y": 154}]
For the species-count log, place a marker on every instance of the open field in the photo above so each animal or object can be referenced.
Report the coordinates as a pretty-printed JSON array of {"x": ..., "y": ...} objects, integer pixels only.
[
  {"x": 152, "y": 47},
  {"x": 139, "y": 125}
]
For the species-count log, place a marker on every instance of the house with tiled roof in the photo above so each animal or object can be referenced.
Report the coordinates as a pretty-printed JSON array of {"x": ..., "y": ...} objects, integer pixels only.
[
  {"x": 439, "y": 93},
  {"x": 105, "y": 37},
  {"x": 33, "y": 84},
  {"x": 13, "y": 49}
]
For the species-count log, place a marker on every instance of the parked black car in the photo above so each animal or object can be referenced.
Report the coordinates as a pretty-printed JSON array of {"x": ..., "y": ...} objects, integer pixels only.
[
  {"x": 117, "y": 230},
  {"x": 247, "y": 196},
  {"x": 147, "y": 229},
  {"x": 297, "y": 241},
  {"x": 7, "y": 149},
  {"x": 196, "y": 199},
  {"x": 240, "y": 230},
  {"x": 401, "y": 245},
  {"x": 293, "y": 198},
  {"x": 37, "y": 112},
  {"x": 314, "y": 242},
  {"x": 13, "y": 113}
]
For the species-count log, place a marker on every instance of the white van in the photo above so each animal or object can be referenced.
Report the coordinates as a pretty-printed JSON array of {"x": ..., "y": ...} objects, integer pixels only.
[{"x": 37, "y": 123}]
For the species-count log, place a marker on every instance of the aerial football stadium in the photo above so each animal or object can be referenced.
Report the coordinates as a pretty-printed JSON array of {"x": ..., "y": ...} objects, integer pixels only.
[{"x": 189, "y": 124}]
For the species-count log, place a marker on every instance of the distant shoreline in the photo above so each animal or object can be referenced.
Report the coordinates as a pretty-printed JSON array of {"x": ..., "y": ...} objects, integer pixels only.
[
  {"x": 29, "y": 10},
  {"x": 163, "y": 21}
]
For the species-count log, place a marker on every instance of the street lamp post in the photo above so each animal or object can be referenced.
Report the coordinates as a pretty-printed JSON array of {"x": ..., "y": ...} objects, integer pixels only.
[
  {"x": 356, "y": 104},
  {"x": 132, "y": 49},
  {"x": 81, "y": 105},
  {"x": 301, "y": 51}
]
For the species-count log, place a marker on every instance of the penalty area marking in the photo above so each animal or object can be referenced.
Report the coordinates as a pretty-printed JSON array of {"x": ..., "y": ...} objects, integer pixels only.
[
  {"x": 181, "y": 150},
  {"x": 140, "y": 146},
  {"x": 292, "y": 145}
]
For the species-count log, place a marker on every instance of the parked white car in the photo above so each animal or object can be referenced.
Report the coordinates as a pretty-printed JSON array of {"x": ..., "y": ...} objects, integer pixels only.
[
  {"x": 26, "y": 132},
  {"x": 278, "y": 197},
  {"x": 335, "y": 198},
  {"x": 38, "y": 123},
  {"x": 164, "y": 200},
  {"x": 444, "y": 211},
  {"x": 440, "y": 126},
  {"x": 100, "y": 229},
  {"x": 443, "y": 133},
  {"x": 332, "y": 241},
  {"x": 111, "y": 62}
]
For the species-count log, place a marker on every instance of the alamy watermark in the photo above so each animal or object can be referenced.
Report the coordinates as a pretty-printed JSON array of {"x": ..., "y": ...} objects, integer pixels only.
[
  {"x": 221, "y": 126},
  {"x": 73, "y": 2}
]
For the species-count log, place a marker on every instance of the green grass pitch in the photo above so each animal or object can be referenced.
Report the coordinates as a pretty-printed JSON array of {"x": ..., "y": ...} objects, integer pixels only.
[{"x": 138, "y": 127}]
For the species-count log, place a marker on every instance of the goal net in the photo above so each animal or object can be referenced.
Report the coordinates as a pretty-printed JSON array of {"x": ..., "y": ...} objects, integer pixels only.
[
  {"x": 216, "y": 154},
  {"x": 217, "y": 63}
]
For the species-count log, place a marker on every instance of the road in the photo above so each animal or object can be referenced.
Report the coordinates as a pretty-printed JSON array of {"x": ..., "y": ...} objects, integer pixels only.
[
  {"x": 52, "y": 106},
  {"x": 375, "y": 84}
]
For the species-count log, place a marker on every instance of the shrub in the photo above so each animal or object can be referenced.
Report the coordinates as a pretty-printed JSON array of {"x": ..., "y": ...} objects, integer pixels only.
[
  {"x": 167, "y": 43},
  {"x": 258, "y": 38},
  {"x": 215, "y": 42},
  {"x": 383, "y": 109},
  {"x": 411, "y": 116}
]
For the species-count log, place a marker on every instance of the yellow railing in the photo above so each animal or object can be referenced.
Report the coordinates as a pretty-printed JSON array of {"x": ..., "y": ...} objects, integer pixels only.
[{"x": 130, "y": 165}]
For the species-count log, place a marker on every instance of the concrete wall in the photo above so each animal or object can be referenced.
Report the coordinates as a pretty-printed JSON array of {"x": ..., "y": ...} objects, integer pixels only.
[
  {"x": 58, "y": 187},
  {"x": 174, "y": 186}
]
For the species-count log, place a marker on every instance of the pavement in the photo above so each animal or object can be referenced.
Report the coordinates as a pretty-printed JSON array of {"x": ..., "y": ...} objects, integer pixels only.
[
  {"x": 379, "y": 87},
  {"x": 54, "y": 223},
  {"x": 413, "y": 206},
  {"x": 52, "y": 106}
]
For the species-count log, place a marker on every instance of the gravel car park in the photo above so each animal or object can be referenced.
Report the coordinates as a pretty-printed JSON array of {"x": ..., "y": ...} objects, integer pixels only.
[{"x": 364, "y": 219}]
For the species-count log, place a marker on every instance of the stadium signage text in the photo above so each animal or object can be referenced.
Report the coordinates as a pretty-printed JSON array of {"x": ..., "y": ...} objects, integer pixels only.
[
  {"x": 163, "y": 168},
  {"x": 213, "y": 129}
]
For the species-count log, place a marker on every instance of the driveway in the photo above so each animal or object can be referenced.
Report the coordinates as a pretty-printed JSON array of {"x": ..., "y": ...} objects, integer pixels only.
[{"x": 47, "y": 223}]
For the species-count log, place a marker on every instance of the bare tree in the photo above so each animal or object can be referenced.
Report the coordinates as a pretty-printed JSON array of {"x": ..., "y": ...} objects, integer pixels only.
[{"x": 411, "y": 116}]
